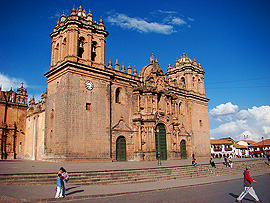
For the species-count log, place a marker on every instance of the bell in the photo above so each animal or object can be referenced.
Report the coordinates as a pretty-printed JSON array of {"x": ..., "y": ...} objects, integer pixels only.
[{"x": 81, "y": 45}]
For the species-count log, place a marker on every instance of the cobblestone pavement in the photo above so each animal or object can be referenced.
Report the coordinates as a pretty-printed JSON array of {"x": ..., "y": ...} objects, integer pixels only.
[
  {"x": 222, "y": 192},
  {"x": 45, "y": 193}
]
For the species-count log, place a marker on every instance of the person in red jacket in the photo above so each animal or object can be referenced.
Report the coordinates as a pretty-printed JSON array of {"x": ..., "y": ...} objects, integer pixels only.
[{"x": 248, "y": 186}]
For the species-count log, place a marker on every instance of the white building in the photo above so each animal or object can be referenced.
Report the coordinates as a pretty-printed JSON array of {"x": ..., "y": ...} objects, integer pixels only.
[
  {"x": 240, "y": 148},
  {"x": 222, "y": 147}
]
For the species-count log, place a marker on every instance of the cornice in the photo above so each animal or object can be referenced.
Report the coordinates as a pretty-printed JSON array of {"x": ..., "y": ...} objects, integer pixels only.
[{"x": 106, "y": 72}]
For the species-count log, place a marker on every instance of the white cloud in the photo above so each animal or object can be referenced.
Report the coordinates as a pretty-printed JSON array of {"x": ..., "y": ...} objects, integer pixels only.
[
  {"x": 139, "y": 24},
  {"x": 167, "y": 12},
  {"x": 178, "y": 21},
  {"x": 55, "y": 16},
  {"x": 170, "y": 20},
  {"x": 7, "y": 82},
  {"x": 223, "y": 112},
  {"x": 266, "y": 130},
  {"x": 254, "y": 122}
]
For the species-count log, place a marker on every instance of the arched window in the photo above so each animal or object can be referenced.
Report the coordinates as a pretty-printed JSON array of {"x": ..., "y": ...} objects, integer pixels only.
[
  {"x": 93, "y": 50},
  {"x": 64, "y": 47},
  {"x": 117, "y": 96},
  {"x": 183, "y": 82},
  {"x": 179, "y": 108},
  {"x": 56, "y": 53},
  {"x": 80, "y": 48}
]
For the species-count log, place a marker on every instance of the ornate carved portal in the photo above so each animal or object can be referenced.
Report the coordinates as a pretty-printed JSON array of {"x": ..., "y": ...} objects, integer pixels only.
[{"x": 159, "y": 108}]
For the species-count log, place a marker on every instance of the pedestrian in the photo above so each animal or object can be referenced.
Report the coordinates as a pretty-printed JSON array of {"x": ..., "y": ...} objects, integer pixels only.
[
  {"x": 225, "y": 161},
  {"x": 59, "y": 185},
  {"x": 230, "y": 163},
  {"x": 65, "y": 176},
  {"x": 248, "y": 186},
  {"x": 212, "y": 163},
  {"x": 194, "y": 163}
]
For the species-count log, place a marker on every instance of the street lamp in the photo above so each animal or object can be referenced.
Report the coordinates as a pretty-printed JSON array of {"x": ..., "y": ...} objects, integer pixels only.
[
  {"x": 263, "y": 145},
  {"x": 159, "y": 161}
]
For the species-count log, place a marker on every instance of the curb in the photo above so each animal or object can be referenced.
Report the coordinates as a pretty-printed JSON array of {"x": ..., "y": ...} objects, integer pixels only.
[{"x": 144, "y": 191}]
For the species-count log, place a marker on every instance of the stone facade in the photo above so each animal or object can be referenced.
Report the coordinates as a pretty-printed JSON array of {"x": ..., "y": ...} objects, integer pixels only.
[
  {"x": 13, "y": 109},
  {"x": 103, "y": 113},
  {"x": 34, "y": 129}
]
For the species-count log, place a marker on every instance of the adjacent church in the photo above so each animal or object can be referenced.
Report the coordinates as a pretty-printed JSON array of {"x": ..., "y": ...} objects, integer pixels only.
[{"x": 97, "y": 112}]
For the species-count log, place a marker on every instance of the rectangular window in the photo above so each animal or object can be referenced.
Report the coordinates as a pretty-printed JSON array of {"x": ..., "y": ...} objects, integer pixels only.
[{"x": 88, "y": 106}]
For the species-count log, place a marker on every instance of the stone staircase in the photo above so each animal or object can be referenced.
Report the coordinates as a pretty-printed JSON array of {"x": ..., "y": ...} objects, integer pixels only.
[{"x": 137, "y": 175}]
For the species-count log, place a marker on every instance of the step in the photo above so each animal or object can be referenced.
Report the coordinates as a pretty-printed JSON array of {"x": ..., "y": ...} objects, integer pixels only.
[{"x": 135, "y": 175}]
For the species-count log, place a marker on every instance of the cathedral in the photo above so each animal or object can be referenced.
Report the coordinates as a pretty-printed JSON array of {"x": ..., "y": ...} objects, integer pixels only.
[
  {"x": 13, "y": 110},
  {"x": 97, "y": 112}
]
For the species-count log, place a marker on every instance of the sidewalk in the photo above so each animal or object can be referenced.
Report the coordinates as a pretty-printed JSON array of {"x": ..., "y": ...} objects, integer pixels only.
[
  {"x": 27, "y": 166},
  {"x": 36, "y": 193}
]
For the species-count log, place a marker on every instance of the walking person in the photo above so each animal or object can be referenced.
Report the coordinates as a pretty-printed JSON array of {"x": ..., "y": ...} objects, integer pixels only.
[
  {"x": 230, "y": 163},
  {"x": 248, "y": 186},
  {"x": 65, "y": 176},
  {"x": 59, "y": 185},
  {"x": 225, "y": 161},
  {"x": 212, "y": 163}
]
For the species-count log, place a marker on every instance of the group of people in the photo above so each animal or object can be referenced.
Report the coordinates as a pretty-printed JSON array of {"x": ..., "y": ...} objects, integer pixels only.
[
  {"x": 228, "y": 162},
  {"x": 61, "y": 183}
]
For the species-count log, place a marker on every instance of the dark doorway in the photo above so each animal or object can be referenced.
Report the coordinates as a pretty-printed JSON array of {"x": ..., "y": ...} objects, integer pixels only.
[
  {"x": 183, "y": 149},
  {"x": 162, "y": 142},
  {"x": 121, "y": 149}
]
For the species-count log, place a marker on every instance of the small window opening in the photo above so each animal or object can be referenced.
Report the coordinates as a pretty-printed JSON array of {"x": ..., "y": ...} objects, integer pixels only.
[
  {"x": 117, "y": 95},
  {"x": 80, "y": 49},
  {"x": 93, "y": 51},
  {"x": 159, "y": 97},
  {"x": 88, "y": 105},
  {"x": 183, "y": 82},
  {"x": 179, "y": 108}
]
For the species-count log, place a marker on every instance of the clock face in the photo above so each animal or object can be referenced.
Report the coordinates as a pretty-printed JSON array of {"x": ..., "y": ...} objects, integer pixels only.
[{"x": 89, "y": 85}]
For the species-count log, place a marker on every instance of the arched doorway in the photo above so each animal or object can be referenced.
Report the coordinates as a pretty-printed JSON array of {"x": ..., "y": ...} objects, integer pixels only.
[
  {"x": 121, "y": 149},
  {"x": 183, "y": 149},
  {"x": 162, "y": 142}
]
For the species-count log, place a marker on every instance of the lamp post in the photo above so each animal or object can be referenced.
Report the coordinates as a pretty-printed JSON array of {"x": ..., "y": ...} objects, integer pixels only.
[
  {"x": 159, "y": 161},
  {"x": 263, "y": 145}
]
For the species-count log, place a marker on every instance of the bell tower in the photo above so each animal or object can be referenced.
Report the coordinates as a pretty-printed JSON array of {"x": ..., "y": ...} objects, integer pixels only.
[
  {"x": 187, "y": 74},
  {"x": 76, "y": 88},
  {"x": 78, "y": 38}
]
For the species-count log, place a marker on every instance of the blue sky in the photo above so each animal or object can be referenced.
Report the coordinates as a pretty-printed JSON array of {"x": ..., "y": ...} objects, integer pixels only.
[{"x": 231, "y": 40}]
